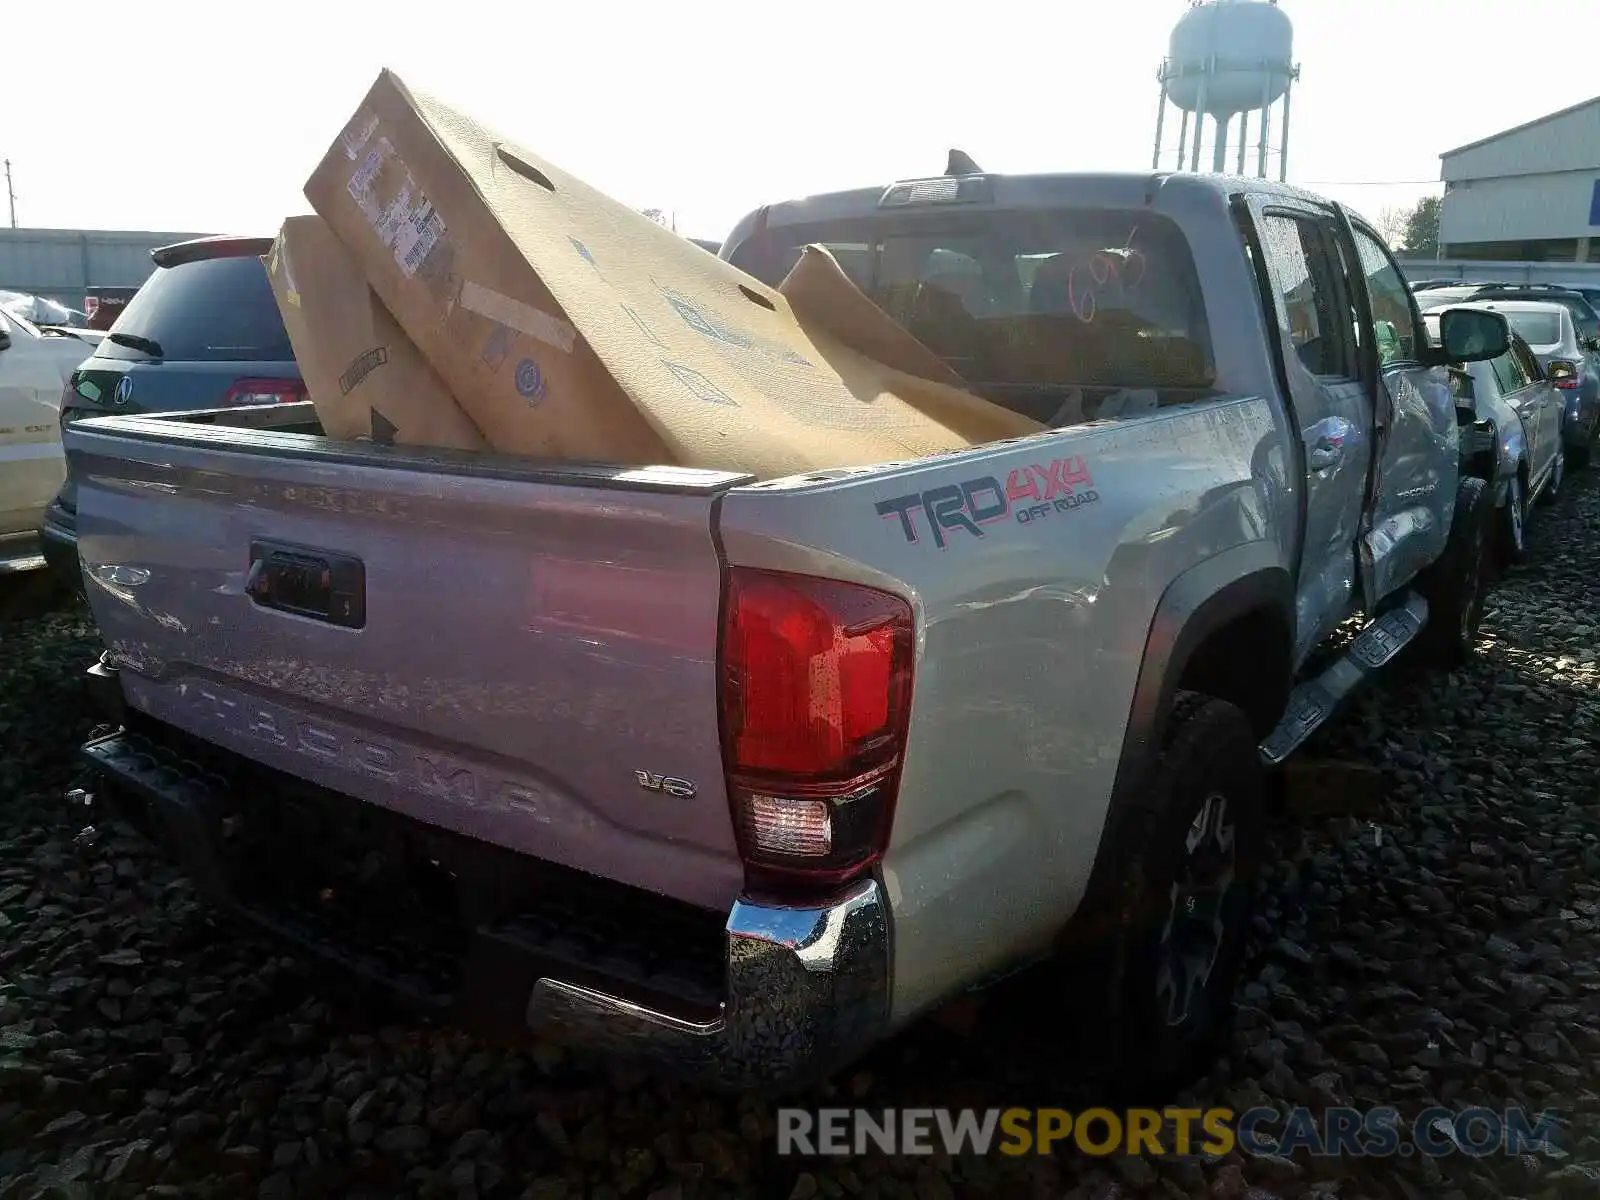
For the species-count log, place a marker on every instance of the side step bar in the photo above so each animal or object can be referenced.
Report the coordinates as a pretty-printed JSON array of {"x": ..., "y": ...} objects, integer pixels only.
[{"x": 1315, "y": 700}]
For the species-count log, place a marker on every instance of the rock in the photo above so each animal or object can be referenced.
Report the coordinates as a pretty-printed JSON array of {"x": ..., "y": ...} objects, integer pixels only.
[
  {"x": 1293, "y": 951},
  {"x": 403, "y": 1139},
  {"x": 1370, "y": 1054},
  {"x": 126, "y": 1160},
  {"x": 1135, "y": 1171},
  {"x": 63, "y": 1124},
  {"x": 1318, "y": 787},
  {"x": 287, "y": 1154}
]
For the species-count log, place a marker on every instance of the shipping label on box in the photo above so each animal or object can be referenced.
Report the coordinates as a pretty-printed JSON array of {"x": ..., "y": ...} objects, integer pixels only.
[{"x": 366, "y": 377}]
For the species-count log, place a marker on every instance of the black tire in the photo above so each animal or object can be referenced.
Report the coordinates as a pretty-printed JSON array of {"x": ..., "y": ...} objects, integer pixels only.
[
  {"x": 1455, "y": 586},
  {"x": 1144, "y": 1042},
  {"x": 1511, "y": 524}
]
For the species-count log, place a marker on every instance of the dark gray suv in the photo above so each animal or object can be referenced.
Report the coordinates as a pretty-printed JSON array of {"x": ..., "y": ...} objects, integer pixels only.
[{"x": 203, "y": 332}]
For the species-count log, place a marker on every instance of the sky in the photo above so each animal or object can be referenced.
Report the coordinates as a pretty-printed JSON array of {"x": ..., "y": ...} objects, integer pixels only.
[{"x": 173, "y": 116}]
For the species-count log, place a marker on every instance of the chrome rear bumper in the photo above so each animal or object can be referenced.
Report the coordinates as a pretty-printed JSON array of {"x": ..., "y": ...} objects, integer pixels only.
[
  {"x": 793, "y": 994},
  {"x": 808, "y": 989}
]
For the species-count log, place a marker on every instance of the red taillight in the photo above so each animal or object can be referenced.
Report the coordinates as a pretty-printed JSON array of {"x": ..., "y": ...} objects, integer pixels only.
[
  {"x": 265, "y": 391},
  {"x": 816, "y": 694}
]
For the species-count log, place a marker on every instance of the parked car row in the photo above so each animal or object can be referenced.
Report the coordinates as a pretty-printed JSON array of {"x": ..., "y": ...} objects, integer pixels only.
[
  {"x": 1562, "y": 327},
  {"x": 203, "y": 332},
  {"x": 35, "y": 362}
]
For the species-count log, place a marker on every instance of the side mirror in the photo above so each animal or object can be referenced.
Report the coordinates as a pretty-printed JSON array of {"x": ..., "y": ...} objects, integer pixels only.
[
  {"x": 1559, "y": 369},
  {"x": 1472, "y": 335},
  {"x": 5, "y": 338},
  {"x": 1592, "y": 344}
]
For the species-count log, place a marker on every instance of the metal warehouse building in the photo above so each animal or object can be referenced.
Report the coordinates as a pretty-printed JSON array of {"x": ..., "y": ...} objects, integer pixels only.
[
  {"x": 1530, "y": 194},
  {"x": 61, "y": 263}
]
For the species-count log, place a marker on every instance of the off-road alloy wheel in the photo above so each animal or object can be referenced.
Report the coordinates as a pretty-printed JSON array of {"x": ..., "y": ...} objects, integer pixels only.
[
  {"x": 1186, "y": 862},
  {"x": 1456, "y": 585}
]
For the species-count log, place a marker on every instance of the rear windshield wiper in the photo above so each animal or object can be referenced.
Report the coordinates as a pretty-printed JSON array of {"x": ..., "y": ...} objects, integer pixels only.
[{"x": 134, "y": 342}]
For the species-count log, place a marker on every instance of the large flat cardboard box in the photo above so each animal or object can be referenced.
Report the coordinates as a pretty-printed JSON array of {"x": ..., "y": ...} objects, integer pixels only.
[
  {"x": 367, "y": 379},
  {"x": 568, "y": 325}
]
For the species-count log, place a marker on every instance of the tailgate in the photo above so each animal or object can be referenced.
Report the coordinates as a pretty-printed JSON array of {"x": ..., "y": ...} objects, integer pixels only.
[{"x": 512, "y": 653}]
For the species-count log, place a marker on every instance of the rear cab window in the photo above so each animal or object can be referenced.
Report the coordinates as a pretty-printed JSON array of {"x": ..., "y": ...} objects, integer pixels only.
[
  {"x": 1030, "y": 306},
  {"x": 1584, "y": 318},
  {"x": 1536, "y": 328},
  {"x": 208, "y": 310}
]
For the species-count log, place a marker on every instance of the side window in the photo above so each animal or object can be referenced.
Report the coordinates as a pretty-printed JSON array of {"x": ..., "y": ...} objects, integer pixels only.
[
  {"x": 1526, "y": 360},
  {"x": 1508, "y": 374},
  {"x": 1393, "y": 317},
  {"x": 1307, "y": 299}
]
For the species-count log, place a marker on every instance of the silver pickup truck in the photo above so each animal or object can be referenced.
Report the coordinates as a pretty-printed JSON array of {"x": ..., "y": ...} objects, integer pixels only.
[{"x": 741, "y": 777}]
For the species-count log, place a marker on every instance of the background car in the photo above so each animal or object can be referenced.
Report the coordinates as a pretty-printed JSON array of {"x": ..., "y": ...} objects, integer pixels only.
[
  {"x": 1570, "y": 361},
  {"x": 1589, "y": 292},
  {"x": 202, "y": 332},
  {"x": 41, "y": 310},
  {"x": 35, "y": 363},
  {"x": 1584, "y": 316},
  {"x": 1525, "y": 460}
]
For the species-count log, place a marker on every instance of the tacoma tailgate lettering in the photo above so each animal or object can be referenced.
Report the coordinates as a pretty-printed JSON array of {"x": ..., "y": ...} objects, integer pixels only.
[{"x": 438, "y": 776}]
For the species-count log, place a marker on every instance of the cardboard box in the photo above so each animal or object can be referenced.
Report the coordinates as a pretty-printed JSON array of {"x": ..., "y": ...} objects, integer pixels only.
[
  {"x": 568, "y": 325},
  {"x": 366, "y": 377}
]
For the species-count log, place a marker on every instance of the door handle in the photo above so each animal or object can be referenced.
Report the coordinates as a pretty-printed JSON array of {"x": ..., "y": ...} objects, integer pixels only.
[
  {"x": 1326, "y": 443},
  {"x": 1325, "y": 454}
]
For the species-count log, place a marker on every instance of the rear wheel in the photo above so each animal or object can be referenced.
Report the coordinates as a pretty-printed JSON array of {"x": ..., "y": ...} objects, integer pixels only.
[
  {"x": 1454, "y": 586},
  {"x": 1185, "y": 860},
  {"x": 1511, "y": 524}
]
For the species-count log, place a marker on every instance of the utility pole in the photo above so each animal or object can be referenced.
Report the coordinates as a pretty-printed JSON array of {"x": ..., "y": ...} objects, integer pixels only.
[{"x": 11, "y": 195}]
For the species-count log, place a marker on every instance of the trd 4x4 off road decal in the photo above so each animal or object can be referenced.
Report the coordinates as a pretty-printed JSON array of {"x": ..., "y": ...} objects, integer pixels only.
[{"x": 1029, "y": 493}]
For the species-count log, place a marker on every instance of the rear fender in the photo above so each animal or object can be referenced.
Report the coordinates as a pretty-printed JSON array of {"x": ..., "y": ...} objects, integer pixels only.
[{"x": 1245, "y": 581}]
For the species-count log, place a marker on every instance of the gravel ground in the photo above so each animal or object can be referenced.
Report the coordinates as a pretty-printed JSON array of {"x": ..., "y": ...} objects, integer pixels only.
[{"x": 1440, "y": 948}]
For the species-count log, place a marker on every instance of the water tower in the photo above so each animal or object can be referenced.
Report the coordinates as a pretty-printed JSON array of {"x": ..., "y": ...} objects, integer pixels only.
[{"x": 1227, "y": 59}]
